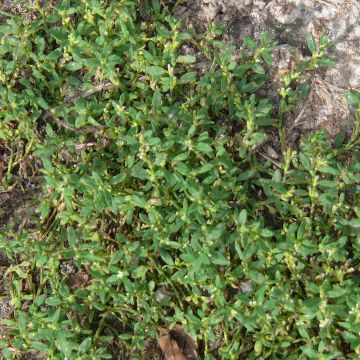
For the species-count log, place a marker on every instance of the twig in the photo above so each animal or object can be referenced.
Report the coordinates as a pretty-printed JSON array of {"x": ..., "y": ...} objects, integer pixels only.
[
  {"x": 326, "y": 2},
  {"x": 92, "y": 130},
  {"x": 84, "y": 146},
  {"x": 296, "y": 121},
  {"x": 71, "y": 99},
  {"x": 10, "y": 188},
  {"x": 329, "y": 85},
  {"x": 267, "y": 157},
  {"x": 5, "y": 13},
  {"x": 102, "y": 87}
]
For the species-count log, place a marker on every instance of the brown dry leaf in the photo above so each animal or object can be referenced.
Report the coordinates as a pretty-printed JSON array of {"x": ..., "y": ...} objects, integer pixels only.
[
  {"x": 77, "y": 280},
  {"x": 178, "y": 345},
  {"x": 170, "y": 348},
  {"x": 185, "y": 342}
]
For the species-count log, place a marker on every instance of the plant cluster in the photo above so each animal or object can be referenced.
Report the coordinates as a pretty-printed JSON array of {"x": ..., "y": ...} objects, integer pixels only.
[{"x": 155, "y": 195}]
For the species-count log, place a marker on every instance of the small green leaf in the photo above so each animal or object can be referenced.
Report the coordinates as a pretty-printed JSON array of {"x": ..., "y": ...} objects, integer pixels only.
[
  {"x": 66, "y": 346},
  {"x": 204, "y": 148},
  {"x": 139, "y": 271},
  {"x": 327, "y": 62},
  {"x": 156, "y": 6},
  {"x": 267, "y": 57},
  {"x": 60, "y": 36},
  {"x": 258, "y": 69},
  {"x": 125, "y": 336},
  {"x": 219, "y": 259},
  {"x": 118, "y": 179},
  {"x": 186, "y": 59},
  {"x": 72, "y": 237},
  {"x": 339, "y": 139},
  {"x": 41, "y": 102},
  {"x": 265, "y": 37},
  {"x": 303, "y": 91},
  {"x": 54, "y": 55},
  {"x": 353, "y": 98},
  {"x": 205, "y": 168},
  {"x": 258, "y": 139},
  {"x": 267, "y": 233},
  {"x": 336, "y": 293},
  {"x": 328, "y": 184},
  {"x": 329, "y": 170},
  {"x": 73, "y": 66},
  {"x": 188, "y": 77},
  {"x": 155, "y": 71},
  {"x": 324, "y": 40},
  {"x": 305, "y": 161},
  {"x": 166, "y": 257},
  {"x": 53, "y": 301},
  {"x": 310, "y": 352},
  {"x": 22, "y": 320},
  {"x": 116, "y": 257},
  {"x": 250, "y": 43},
  {"x": 311, "y": 43},
  {"x": 156, "y": 101},
  {"x": 114, "y": 279},
  {"x": 85, "y": 345},
  {"x": 258, "y": 347},
  {"x": 303, "y": 331},
  {"x": 243, "y": 217}
]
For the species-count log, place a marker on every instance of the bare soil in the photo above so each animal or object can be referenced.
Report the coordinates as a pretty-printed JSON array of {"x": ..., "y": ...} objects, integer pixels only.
[{"x": 289, "y": 21}]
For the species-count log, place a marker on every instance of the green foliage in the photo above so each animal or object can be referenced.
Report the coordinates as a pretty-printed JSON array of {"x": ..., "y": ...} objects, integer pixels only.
[{"x": 155, "y": 191}]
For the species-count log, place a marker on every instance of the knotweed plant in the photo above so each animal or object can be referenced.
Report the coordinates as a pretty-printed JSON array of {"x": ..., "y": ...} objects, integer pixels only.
[{"x": 157, "y": 207}]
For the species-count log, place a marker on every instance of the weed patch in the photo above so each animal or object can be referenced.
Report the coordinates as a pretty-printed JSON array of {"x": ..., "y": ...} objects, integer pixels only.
[{"x": 158, "y": 209}]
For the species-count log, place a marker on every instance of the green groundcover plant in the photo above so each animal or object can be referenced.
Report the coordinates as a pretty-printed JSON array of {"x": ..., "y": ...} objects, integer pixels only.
[{"x": 155, "y": 193}]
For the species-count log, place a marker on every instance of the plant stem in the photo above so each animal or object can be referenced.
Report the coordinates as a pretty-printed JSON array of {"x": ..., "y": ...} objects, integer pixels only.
[{"x": 7, "y": 14}]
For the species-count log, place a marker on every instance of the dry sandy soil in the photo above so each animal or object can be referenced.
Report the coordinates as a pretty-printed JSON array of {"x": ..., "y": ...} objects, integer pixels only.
[{"x": 289, "y": 21}]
